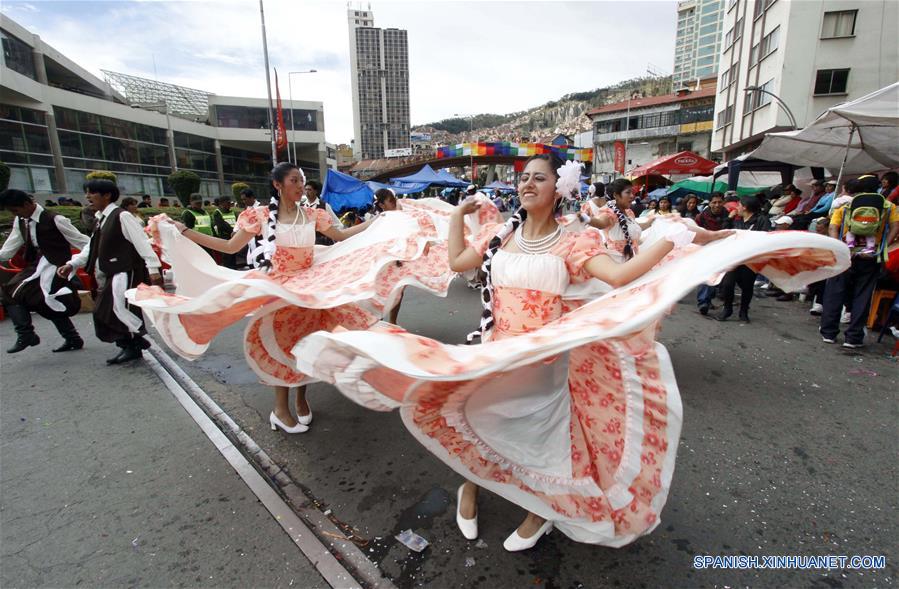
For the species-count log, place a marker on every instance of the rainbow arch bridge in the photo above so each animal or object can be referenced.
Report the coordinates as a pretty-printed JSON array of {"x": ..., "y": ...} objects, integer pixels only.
[{"x": 465, "y": 154}]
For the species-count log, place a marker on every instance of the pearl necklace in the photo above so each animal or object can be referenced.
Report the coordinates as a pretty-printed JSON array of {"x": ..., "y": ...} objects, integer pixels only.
[{"x": 537, "y": 246}]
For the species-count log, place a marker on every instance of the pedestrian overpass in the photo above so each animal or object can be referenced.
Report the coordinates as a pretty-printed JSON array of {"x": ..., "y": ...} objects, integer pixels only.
[{"x": 467, "y": 154}]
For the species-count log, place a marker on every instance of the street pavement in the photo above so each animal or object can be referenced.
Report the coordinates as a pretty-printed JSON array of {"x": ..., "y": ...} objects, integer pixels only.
[
  {"x": 105, "y": 481},
  {"x": 789, "y": 448}
]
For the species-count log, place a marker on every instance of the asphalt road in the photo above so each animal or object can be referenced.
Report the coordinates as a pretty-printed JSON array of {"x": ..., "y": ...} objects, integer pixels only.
[
  {"x": 105, "y": 481},
  {"x": 789, "y": 448}
]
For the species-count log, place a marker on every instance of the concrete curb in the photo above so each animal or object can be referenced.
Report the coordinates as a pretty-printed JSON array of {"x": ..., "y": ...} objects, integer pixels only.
[{"x": 325, "y": 531}]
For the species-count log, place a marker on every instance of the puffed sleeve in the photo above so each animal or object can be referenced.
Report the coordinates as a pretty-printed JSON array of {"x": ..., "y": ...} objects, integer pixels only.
[
  {"x": 587, "y": 244},
  {"x": 481, "y": 241},
  {"x": 321, "y": 217},
  {"x": 251, "y": 220},
  {"x": 607, "y": 212}
]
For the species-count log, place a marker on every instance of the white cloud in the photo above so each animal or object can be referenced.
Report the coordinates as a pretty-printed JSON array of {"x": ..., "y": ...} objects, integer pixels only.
[{"x": 465, "y": 57}]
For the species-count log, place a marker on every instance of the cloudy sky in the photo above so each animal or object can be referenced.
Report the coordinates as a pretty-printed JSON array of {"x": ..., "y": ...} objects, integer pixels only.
[{"x": 465, "y": 57}]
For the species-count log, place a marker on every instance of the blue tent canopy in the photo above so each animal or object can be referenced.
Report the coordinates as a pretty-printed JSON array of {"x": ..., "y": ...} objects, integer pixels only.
[
  {"x": 501, "y": 186},
  {"x": 409, "y": 188},
  {"x": 344, "y": 192},
  {"x": 427, "y": 175},
  {"x": 451, "y": 180}
]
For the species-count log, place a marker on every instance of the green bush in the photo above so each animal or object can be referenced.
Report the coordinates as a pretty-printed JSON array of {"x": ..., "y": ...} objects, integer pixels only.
[
  {"x": 184, "y": 183},
  {"x": 4, "y": 176},
  {"x": 101, "y": 175},
  {"x": 236, "y": 188}
]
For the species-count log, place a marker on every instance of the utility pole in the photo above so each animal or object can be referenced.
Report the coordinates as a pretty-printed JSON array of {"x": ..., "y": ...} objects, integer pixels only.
[{"x": 268, "y": 87}]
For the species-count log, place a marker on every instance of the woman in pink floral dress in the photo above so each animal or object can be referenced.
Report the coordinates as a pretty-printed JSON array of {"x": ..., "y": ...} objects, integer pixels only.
[
  {"x": 299, "y": 288},
  {"x": 570, "y": 411}
]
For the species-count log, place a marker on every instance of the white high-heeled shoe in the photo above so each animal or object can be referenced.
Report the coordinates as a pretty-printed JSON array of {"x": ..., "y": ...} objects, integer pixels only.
[
  {"x": 305, "y": 419},
  {"x": 516, "y": 543},
  {"x": 277, "y": 423},
  {"x": 468, "y": 527}
]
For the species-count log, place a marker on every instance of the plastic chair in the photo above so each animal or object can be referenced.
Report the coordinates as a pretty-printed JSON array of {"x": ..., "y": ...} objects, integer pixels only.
[
  {"x": 893, "y": 312},
  {"x": 880, "y": 295}
]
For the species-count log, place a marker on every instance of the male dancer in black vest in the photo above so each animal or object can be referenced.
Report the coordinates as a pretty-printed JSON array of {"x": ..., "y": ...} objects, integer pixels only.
[
  {"x": 120, "y": 256},
  {"x": 47, "y": 239}
]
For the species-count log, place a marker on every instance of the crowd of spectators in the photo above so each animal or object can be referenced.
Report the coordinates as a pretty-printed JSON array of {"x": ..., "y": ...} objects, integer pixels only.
[{"x": 821, "y": 207}]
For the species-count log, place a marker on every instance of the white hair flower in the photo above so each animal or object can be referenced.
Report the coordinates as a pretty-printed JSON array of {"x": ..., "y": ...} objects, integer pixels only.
[{"x": 569, "y": 181}]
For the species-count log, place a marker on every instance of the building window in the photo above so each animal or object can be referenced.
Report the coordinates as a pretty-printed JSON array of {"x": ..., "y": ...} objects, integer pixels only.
[
  {"x": 758, "y": 99},
  {"x": 831, "y": 82},
  {"x": 761, "y": 6},
  {"x": 738, "y": 29},
  {"x": 17, "y": 55},
  {"x": 839, "y": 24},
  {"x": 729, "y": 38},
  {"x": 765, "y": 47},
  {"x": 725, "y": 117}
]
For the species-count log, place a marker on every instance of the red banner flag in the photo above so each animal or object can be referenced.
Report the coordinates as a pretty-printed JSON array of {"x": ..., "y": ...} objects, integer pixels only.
[
  {"x": 280, "y": 129},
  {"x": 619, "y": 157}
]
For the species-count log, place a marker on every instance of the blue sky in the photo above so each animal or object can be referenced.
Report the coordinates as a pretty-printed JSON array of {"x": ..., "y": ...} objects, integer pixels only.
[{"x": 465, "y": 57}]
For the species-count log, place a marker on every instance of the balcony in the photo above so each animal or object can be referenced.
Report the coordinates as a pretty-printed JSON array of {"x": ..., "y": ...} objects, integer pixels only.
[{"x": 635, "y": 134}]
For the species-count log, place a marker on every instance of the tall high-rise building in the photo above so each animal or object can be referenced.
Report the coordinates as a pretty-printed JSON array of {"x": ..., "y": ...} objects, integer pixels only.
[
  {"x": 698, "y": 42},
  {"x": 379, "y": 60},
  {"x": 808, "y": 55}
]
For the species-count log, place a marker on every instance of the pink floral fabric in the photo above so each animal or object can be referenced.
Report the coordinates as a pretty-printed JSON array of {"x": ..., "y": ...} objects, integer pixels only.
[
  {"x": 298, "y": 296},
  {"x": 624, "y": 406}
]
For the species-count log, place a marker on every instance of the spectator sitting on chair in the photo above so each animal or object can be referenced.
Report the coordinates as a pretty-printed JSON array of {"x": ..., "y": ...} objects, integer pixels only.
[
  {"x": 689, "y": 208},
  {"x": 146, "y": 202},
  {"x": 164, "y": 202},
  {"x": 750, "y": 219},
  {"x": 786, "y": 202},
  {"x": 715, "y": 216},
  {"x": 856, "y": 284}
]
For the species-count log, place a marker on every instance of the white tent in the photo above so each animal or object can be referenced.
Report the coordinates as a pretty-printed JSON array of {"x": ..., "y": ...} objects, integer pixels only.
[{"x": 854, "y": 137}]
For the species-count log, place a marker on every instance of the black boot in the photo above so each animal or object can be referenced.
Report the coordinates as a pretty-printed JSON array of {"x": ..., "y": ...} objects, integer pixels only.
[
  {"x": 25, "y": 336},
  {"x": 726, "y": 312},
  {"x": 744, "y": 315},
  {"x": 67, "y": 330},
  {"x": 126, "y": 355}
]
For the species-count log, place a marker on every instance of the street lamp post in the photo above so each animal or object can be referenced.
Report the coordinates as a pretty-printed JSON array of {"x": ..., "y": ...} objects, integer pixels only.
[
  {"x": 627, "y": 128},
  {"x": 293, "y": 125},
  {"x": 781, "y": 103},
  {"x": 268, "y": 87}
]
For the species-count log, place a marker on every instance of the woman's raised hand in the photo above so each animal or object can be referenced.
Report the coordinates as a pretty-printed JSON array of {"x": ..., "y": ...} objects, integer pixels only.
[{"x": 468, "y": 206}]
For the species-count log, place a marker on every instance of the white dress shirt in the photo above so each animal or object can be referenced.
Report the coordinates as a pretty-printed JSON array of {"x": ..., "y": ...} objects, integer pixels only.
[
  {"x": 132, "y": 231},
  {"x": 16, "y": 240}
]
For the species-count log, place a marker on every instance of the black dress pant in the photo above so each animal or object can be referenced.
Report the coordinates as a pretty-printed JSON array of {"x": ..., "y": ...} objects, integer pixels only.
[
  {"x": 854, "y": 288},
  {"x": 745, "y": 278}
]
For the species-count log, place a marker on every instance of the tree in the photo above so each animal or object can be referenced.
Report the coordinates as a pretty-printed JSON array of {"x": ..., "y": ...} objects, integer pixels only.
[
  {"x": 237, "y": 187},
  {"x": 101, "y": 175},
  {"x": 184, "y": 183},
  {"x": 4, "y": 176}
]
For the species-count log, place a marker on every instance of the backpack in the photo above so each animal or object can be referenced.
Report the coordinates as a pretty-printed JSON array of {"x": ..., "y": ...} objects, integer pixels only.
[{"x": 865, "y": 216}]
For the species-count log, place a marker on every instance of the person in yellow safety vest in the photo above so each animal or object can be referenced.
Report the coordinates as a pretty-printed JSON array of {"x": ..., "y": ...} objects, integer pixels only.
[
  {"x": 223, "y": 221},
  {"x": 195, "y": 216}
]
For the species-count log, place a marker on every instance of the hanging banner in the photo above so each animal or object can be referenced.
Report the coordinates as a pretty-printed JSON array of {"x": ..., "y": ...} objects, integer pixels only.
[
  {"x": 619, "y": 157},
  {"x": 281, "y": 129}
]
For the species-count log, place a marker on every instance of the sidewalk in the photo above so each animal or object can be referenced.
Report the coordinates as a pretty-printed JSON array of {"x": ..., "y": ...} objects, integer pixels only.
[{"x": 106, "y": 481}]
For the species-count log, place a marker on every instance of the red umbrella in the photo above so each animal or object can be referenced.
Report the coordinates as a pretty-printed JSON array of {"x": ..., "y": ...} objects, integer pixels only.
[{"x": 685, "y": 162}]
